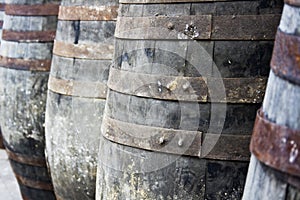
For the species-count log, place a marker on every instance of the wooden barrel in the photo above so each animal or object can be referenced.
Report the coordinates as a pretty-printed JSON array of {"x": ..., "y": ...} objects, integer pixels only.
[
  {"x": 1, "y": 24},
  {"x": 173, "y": 100},
  {"x": 26, "y": 50},
  {"x": 83, "y": 51},
  {"x": 275, "y": 163}
]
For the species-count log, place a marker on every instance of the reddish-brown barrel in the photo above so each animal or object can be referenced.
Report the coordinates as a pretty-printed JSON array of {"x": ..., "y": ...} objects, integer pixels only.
[
  {"x": 26, "y": 51},
  {"x": 274, "y": 171}
]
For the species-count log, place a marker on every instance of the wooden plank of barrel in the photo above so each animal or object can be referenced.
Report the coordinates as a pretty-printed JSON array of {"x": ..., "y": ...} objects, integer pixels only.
[
  {"x": 275, "y": 164},
  {"x": 165, "y": 107},
  {"x": 83, "y": 51},
  {"x": 26, "y": 50}
]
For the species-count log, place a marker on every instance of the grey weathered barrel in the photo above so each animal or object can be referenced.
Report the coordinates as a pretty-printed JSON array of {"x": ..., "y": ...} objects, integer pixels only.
[
  {"x": 165, "y": 107},
  {"x": 1, "y": 25},
  {"x": 26, "y": 48},
  {"x": 83, "y": 51},
  {"x": 275, "y": 163}
]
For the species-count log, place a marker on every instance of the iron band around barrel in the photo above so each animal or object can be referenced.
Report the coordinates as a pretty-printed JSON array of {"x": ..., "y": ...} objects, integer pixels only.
[
  {"x": 32, "y": 10},
  {"x": 34, "y": 184},
  {"x": 204, "y": 27},
  {"x": 25, "y": 159},
  {"x": 194, "y": 89},
  {"x": 77, "y": 88},
  {"x": 21, "y": 64},
  {"x": 275, "y": 145},
  {"x": 285, "y": 61},
  {"x": 28, "y": 36},
  {"x": 83, "y": 51},
  {"x": 88, "y": 13},
  {"x": 180, "y": 142}
]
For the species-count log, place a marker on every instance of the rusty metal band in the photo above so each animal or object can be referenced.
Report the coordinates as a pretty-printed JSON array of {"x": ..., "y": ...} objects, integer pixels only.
[
  {"x": 77, "y": 88},
  {"x": 83, "y": 51},
  {"x": 32, "y": 10},
  {"x": 276, "y": 145},
  {"x": 180, "y": 142},
  {"x": 88, "y": 13},
  {"x": 40, "y": 185},
  {"x": 152, "y": 138},
  {"x": 21, "y": 64},
  {"x": 28, "y": 36},
  {"x": 226, "y": 27},
  {"x": 285, "y": 61},
  {"x": 25, "y": 159},
  {"x": 194, "y": 89},
  {"x": 293, "y": 2},
  {"x": 2, "y": 6}
]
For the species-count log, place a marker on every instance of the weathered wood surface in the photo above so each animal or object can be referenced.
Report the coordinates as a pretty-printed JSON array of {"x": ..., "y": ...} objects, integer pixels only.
[
  {"x": 82, "y": 51},
  {"x": 262, "y": 181},
  {"x": 23, "y": 91},
  {"x": 137, "y": 173},
  {"x": 23, "y": 96},
  {"x": 165, "y": 176},
  {"x": 72, "y": 141},
  {"x": 281, "y": 106}
]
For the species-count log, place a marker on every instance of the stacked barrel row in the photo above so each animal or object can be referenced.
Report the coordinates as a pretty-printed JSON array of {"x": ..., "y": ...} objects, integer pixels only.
[
  {"x": 26, "y": 51},
  {"x": 83, "y": 50},
  {"x": 185, "y": 83},
  {"x": 275, "y": 164}
]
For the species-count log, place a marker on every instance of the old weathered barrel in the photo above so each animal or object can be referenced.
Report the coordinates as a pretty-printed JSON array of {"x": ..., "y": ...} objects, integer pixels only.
[
  {"x": 26, "y": 49},
  {"x": 1, "y": 24},
  {"x": 275, "y": 163},
  {"x": 83, "y": 50},
  {"x": 168, "y": 94}
]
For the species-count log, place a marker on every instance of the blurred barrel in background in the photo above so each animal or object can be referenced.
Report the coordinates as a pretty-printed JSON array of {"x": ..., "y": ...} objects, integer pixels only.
[
  {"x": 275, "y": 164},
  {"x": 26, "y": 51},
  {"x": 83, "y": 51},
  {"x": 182, "y": 70},
  {"x": 2, "y": 6}
]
